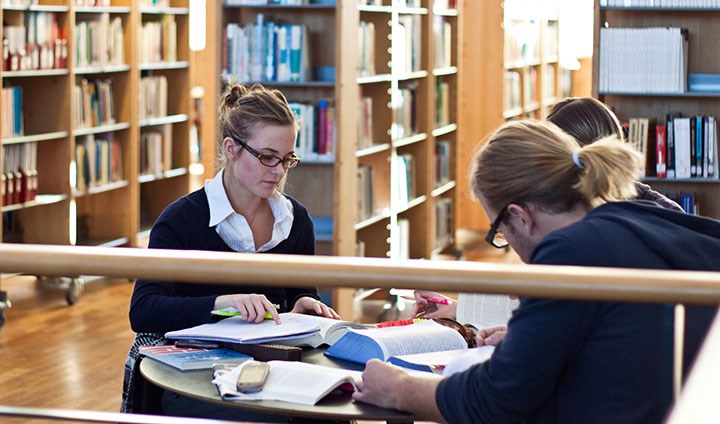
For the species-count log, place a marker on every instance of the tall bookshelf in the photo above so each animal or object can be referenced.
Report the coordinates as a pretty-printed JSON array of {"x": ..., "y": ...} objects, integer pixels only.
[
  {"x": 82, "y": 125},
  {"x": 702, "y": 24},
  {"x": 405, "y": 121},
  {"x": 518, "y": 78}
]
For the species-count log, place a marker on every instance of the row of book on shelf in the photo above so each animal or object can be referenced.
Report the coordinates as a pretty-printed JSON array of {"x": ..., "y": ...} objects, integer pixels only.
[
  {"x": 159, "y": 40},
  {"x": 405, "y": 189},
  {"x": 98, "y": 161},
  {"x": 680, "y": 147},
  {"x": 99, "y": 41},
  {"x": 98, "y": 157},
  {"x": 407, "y": 44},
  {"x": 366, "y": 48},
  {"x": 93, "y": 103},
  {"x": 524, "y": 88},
  {"x": 156, "y": 150},
  {"x": 422, "y": 345},
  {"x": 19, "y": 173},
  {"x": 643, "y": 60},
  {"x": 153, "y": 97},
  {"x": 37, "y": 43},
  {"x": 11, "y": 116},
  {"x": 265, "y": 51},
  {"x": 316, "y": 139}
]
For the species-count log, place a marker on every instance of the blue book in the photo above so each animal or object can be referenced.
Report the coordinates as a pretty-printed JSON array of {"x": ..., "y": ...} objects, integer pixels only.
[
  {"x": 362, "y": 345},
  {"x": 192, "y": 358}
]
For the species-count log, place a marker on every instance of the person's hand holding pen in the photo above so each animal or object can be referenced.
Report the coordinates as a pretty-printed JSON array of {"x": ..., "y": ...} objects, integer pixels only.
[
  {"x": 252, "y": 307},
  {"x": 430, "y": 304}
]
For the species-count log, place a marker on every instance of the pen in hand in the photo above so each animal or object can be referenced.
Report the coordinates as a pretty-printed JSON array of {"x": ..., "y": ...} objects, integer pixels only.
[
  {"x": 438, "y": 300},
  {"x": 234, "y": 312}
]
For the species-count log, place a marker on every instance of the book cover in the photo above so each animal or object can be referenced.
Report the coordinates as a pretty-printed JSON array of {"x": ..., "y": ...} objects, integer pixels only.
[
  {"x": 360, "y": 346},
  {"x": 192, "y": 358}
]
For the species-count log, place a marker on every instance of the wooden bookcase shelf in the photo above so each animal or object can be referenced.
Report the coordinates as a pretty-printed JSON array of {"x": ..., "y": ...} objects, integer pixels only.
[
  {"x": 702, "y": 23},
  {"x": 519, "y": 77},
  {"x": 108, "y": 205}
]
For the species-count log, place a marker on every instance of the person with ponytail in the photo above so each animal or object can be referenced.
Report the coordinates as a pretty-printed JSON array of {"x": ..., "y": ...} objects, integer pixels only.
[
  {"x": 556, "y": 202},
  {"x": 242, "y": 209}
]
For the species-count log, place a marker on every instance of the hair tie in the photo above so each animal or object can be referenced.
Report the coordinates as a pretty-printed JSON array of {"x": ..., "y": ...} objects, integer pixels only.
[{"x": 576, "y": 159}]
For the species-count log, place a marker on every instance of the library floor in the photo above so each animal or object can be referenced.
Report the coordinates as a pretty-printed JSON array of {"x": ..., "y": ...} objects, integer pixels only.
[{"x": 59, "y": 356}]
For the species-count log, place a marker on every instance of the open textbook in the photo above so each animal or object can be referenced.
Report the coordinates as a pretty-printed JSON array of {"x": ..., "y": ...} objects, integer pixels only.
[
  {"x": 361, "y": 345},
  {"x": 330, "y": 331},
  {"x": 444, "y": 362},
  {"x": 485, "y": 310},
  {"x": 236, "y": 330},
  {"x": 295, "y": 382}
]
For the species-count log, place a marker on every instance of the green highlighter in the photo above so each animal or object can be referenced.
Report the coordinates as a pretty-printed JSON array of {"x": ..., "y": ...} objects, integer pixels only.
[{"x": 233, "y": 312}]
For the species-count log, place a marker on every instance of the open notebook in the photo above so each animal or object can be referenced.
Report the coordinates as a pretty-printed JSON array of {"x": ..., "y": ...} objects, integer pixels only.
[{"x": 236, "y": 330}]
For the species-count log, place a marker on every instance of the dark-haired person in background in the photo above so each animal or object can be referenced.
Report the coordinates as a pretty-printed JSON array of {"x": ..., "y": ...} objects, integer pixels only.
[
  {"x": 558, "y": 203},
  {"x": 588, "y": 120}
]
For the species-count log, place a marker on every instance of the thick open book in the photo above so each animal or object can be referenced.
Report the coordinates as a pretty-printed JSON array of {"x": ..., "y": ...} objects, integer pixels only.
[
  {"x": 192, "y": 358},
  {"x": 330, "y": 331},
  {"x": 446, "y": 361},
  {"x": 382, "y": 343},
  {"x": 295, "y": 382},
  {"x": 236, "y": 330}
]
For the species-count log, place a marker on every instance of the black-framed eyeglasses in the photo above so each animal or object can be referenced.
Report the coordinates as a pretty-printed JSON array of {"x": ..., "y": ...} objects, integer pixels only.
[
  {"x": 494, "y": 236},
  {"x": 291, "y": 161}
]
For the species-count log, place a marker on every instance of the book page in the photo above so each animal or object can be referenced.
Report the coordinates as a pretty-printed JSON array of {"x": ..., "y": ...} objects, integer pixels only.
[
  {"x": 469, "y": 358},
  {"x": 235, "y": 329},
  {"x": 330, "y": 331},
  {"x": 426, "y": 336},
  {"x": 295, "y": 382},
  {"x": 485, "y": 310}
]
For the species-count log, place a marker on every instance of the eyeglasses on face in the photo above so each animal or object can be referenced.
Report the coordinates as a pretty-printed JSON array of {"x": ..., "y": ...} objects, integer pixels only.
[
  {"x": 494, "y": 236},
  {"x": 291, "y": 161}
]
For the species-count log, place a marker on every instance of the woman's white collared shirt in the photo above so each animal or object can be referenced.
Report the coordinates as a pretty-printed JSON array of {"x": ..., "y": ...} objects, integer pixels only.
[{"x": 234, "y": 229}]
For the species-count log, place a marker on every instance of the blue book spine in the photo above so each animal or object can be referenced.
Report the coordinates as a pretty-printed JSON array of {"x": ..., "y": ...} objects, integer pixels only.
[
  {"x": 699, "y": 136},
  {"x": 18, "y": 129},
  {"x": 270, "y": 45}
]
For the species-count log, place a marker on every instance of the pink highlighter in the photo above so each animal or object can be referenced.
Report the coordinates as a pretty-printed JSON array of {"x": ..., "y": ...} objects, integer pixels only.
[{"x": 438, "y": 300}]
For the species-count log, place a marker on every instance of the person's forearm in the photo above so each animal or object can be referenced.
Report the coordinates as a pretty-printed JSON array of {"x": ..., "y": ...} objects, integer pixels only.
[{"x": 418, "y": 397}]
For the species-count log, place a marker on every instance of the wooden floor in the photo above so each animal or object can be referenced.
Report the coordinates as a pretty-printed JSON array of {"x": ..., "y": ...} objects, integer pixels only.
[
  {"x": 58, "y": 356},
  {"x": 53, "y": 355}
]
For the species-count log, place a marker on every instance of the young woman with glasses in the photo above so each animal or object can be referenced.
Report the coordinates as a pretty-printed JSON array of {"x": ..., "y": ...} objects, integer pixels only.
[{"x": 241, "y": 209}]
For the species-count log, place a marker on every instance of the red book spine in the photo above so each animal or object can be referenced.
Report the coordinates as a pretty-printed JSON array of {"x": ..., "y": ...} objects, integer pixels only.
[{"x": 661, "y": 146}]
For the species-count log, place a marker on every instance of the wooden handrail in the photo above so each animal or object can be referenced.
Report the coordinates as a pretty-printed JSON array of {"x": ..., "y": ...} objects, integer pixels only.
[
  {"x": 99, "y": 417},
  {"x": 583, "y": 283}
]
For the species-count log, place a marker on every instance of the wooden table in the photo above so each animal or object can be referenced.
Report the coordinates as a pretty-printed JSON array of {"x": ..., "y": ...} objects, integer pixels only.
[{"x": 197, "y": 384}]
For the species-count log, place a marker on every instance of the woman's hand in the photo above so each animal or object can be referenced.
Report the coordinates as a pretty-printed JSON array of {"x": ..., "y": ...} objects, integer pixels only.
[
  {"x": 491, "y": 336},
  {"x": 252, "y": 307},
  {"x": 307, "y": 304},
  {"x": 424, "y": 308}
]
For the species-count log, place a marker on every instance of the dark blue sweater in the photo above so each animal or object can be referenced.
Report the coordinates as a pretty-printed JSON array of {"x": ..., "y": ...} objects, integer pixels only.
[
  {"x": 581, "y": 361},
  {"x": 159, "y": 307}
]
